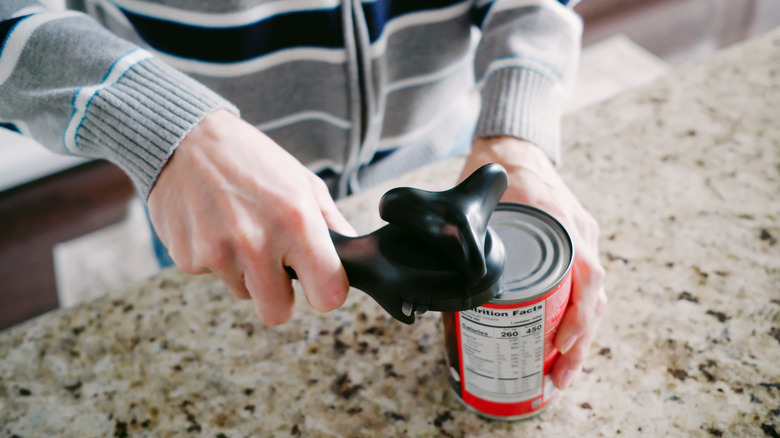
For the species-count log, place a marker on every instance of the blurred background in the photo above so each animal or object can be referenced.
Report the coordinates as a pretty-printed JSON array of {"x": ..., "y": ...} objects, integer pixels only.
[{"x": 70, "y": 228}]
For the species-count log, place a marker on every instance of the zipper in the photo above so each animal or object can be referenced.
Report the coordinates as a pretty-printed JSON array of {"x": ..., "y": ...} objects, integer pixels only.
[
  {"x": 362, "y": 96},
  {"x": 363, "y": 69},
  {"x": 368, "y": 99},
  {"x": 356, "y": 99}
]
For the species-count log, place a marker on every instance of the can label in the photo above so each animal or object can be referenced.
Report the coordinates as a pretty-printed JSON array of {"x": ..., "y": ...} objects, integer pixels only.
[
  {"x": 500, "y": 354},
  {"x": 506, "y": 352}
]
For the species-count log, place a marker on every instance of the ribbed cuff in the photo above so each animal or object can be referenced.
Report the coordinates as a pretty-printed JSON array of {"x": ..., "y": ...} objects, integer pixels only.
[
  {"x": 525, "y": 104},
  {"x": 138, "y": 121}
]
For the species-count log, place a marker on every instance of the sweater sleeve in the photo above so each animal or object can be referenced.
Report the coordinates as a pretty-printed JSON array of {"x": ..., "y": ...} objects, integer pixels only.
[
  {"x": 78, "y": 89},
  {"x": 525, "y": 64}
]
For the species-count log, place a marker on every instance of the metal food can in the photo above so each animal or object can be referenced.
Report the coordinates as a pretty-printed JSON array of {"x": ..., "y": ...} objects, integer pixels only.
[{"x": 500, "y": 354}]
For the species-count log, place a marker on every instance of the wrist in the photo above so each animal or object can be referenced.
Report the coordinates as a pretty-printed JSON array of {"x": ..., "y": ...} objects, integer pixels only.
[
  {"x": 212, "y": 127},
  {"x": 509, "y": 152}
]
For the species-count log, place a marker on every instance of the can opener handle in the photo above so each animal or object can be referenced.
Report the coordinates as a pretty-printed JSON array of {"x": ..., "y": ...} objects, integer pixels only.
[{"x": 437, "y": 251}]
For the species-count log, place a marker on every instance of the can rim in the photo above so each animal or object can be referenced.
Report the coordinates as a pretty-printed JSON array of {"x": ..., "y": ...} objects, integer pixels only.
[{"x": 559, "y": 230}]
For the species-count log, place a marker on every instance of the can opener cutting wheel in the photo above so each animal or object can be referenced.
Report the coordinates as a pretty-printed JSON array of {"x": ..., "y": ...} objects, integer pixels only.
[{"x": 436, "y": 252}]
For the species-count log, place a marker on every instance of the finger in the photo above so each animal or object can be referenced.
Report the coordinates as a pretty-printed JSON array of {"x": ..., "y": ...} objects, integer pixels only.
[
  {"x": 333, "y": 217},
  {"x": 319, "y": 268},
  {"x": 266, "y": 282},
  {"x": 181, "y": 251},
  {"x": 236, "y": 283},
  {"x": 567, "y": 366},
  {"x": 587, "y": 281},
  {"x": 207, "y": 254},
  {"x": 272, "y": 294}
]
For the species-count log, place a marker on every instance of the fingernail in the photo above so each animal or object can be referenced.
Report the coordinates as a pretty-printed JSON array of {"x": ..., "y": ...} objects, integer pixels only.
[
  {"x": 567, "y": 344},
  {"x": 568, "y": 376}
]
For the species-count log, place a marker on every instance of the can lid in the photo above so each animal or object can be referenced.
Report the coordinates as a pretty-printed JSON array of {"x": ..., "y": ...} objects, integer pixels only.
[{"x": 539, "y": 252}]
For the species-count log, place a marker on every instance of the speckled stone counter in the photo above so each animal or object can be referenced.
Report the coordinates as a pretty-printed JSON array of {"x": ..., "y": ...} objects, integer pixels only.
[{"x": 684, "y": 177}]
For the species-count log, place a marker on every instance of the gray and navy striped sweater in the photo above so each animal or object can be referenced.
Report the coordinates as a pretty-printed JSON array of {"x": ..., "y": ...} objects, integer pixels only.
[{"x": 363, "y": 90}]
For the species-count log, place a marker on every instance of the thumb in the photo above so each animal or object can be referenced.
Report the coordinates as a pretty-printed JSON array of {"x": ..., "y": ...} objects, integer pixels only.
[{"x": 333, "y": 217}]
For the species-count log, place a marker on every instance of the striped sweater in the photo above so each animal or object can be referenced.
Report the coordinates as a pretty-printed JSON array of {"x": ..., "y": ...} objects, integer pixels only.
[{"x": 362, "y": 90}]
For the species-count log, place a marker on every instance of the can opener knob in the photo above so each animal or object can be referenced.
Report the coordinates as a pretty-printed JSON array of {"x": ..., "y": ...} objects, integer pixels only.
[{"x": 437, "y": 251}]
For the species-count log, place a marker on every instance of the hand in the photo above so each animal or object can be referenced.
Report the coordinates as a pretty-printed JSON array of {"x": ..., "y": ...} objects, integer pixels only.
[
  {"x": 233, "y": 202},
  {"x": 533, "y": 180}
]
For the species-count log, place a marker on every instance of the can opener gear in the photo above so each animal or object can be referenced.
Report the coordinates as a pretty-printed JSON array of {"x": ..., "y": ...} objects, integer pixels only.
[{"x": 437, "y": 251}]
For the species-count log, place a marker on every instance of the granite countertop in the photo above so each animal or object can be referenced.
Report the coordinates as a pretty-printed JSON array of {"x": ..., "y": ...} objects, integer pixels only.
[{"x": 684, "y": 177}]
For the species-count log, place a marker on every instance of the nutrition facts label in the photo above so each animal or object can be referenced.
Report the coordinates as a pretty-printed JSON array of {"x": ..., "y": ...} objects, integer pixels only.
[{"x": 503, "y": 352}]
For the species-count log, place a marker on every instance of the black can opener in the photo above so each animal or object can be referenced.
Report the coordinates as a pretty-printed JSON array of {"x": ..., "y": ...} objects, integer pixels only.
[{"x": 436, "y": 252}]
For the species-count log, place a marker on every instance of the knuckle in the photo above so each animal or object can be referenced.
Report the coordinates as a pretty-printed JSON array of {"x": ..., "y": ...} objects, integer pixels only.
[
  {"x": 319, "y": 185},
  {"x": 216, "y": 257},
  {"x": 239, "y": 235},
  {"x": 595, "y": 274},
  {"x": 584, "y": 317},
  {"x": 598, "y": 275},
  {"x": 293, "y": 216},
  {"x": 586, "y": 224},
  {"x": 295, "y": 219},
  {"x": 245, "y": 237},
  {"x": 183, "y": 262},
  {"x": 591, "y": 221},
  {"x": 580, "y": 351},
  {"x": 595, "y": 230},
  {"x": 601, "y": 304},
  {"x": 577, "y": 353},
  {"x": 334, "y": 298}
]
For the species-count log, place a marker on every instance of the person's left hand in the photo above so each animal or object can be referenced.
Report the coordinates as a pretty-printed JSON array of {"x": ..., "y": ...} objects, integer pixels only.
[{"x": 533, "y": 180}]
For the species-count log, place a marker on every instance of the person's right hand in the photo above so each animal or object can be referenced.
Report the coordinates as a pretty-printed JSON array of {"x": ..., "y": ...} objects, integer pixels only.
[{"x": 233, "y": 202}]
